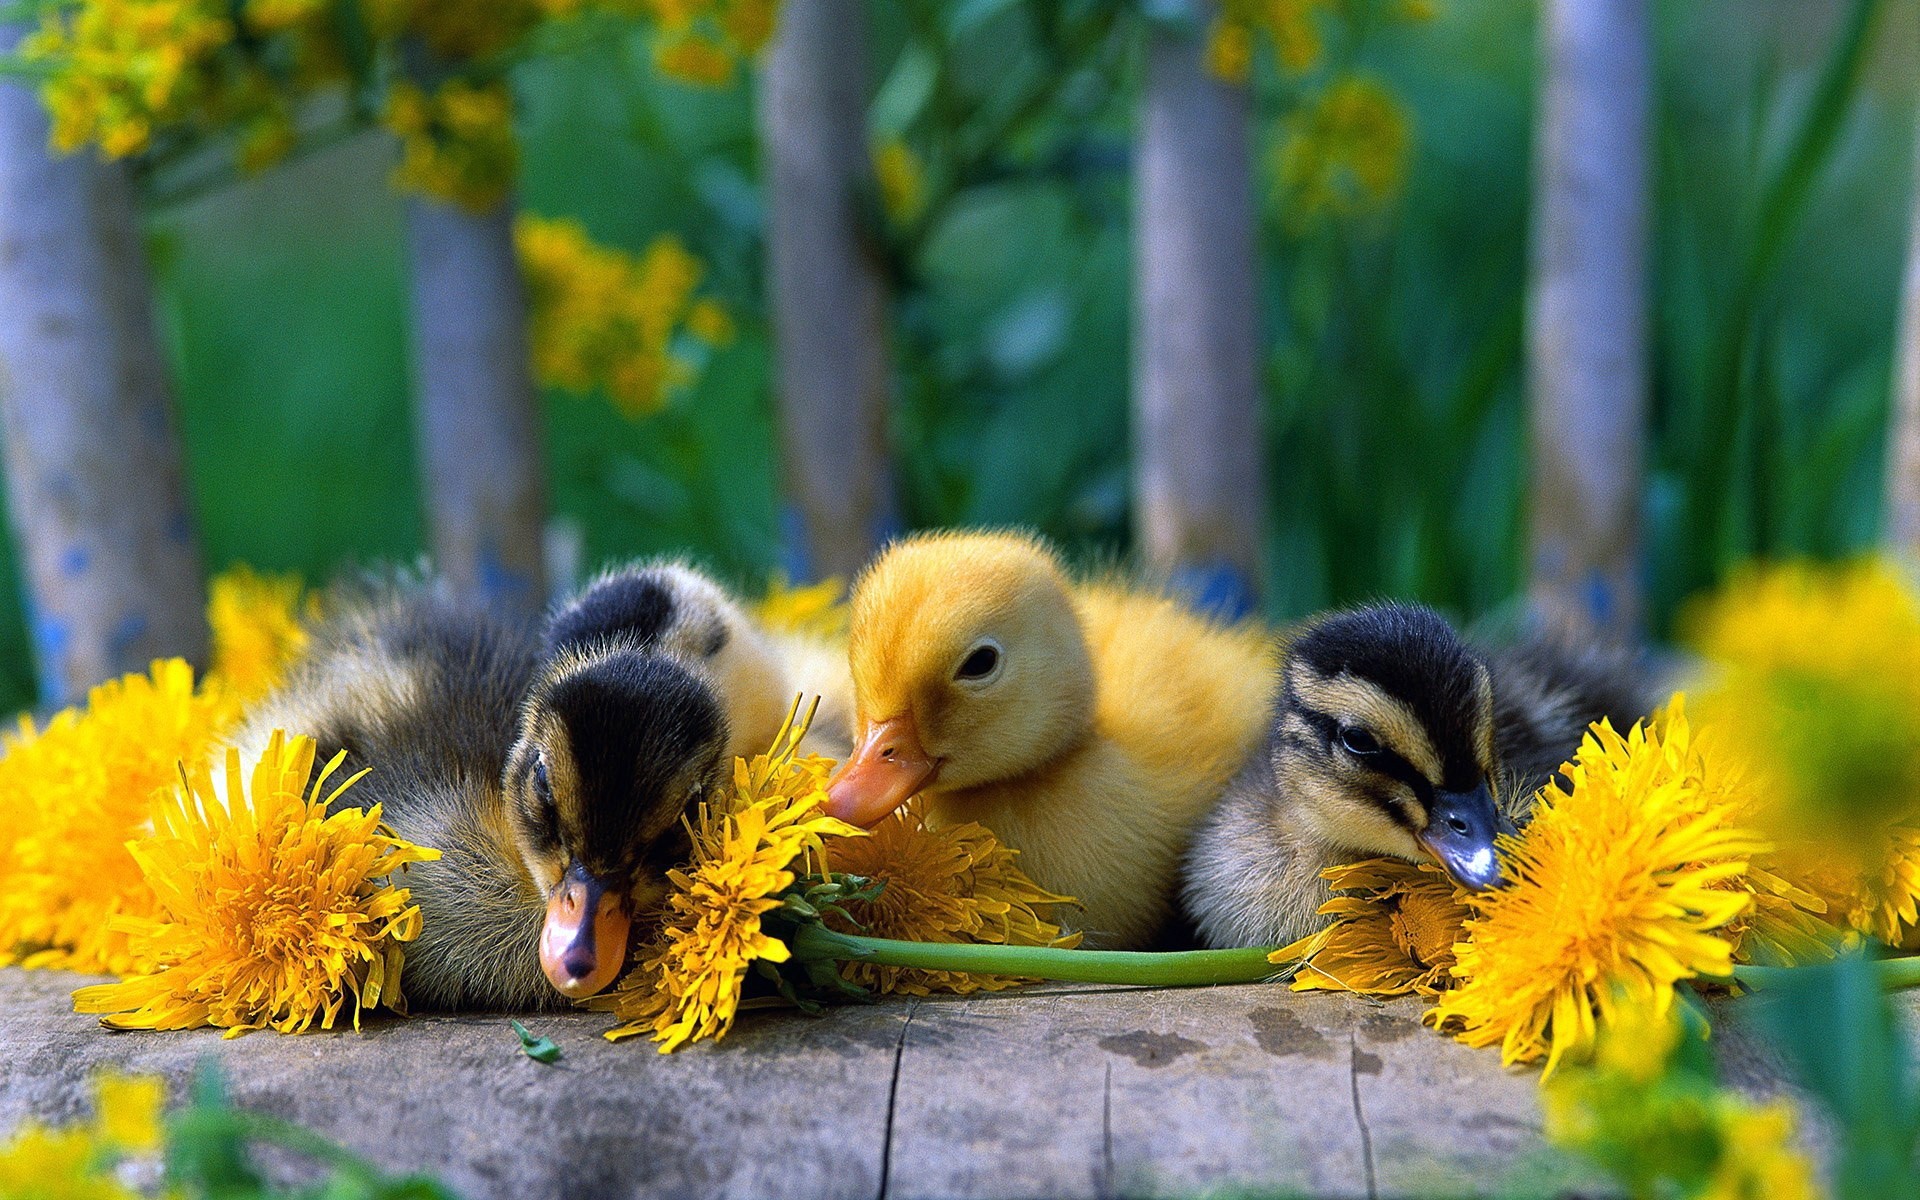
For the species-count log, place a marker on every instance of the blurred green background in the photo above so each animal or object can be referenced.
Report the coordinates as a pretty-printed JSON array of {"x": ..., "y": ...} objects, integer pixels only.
[{"x": 1393, "y": 373}]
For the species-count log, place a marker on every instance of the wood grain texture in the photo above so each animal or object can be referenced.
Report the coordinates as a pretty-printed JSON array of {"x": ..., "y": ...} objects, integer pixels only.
[
  {"x": 1587, "y": 371},
  {"x": 1061, "y": 1092},
  {"x": 828, "y": 294},
  {"x": 1198, "y": 453},
  {"x": 95, "y": 488},
  {"x": 477, "y": 429}
]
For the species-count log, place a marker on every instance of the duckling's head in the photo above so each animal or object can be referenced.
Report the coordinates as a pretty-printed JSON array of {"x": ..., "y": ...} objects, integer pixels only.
[
  {"x": 1385, "y": 740},
  {"x": 969, "y": 667},
  {"x": 615, "y": 747}
]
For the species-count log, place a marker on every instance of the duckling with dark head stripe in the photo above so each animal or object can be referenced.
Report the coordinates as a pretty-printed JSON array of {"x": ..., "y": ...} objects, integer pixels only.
[
  {"x": 1392, "y": 736},
  {"x": 552, "y": 772}
]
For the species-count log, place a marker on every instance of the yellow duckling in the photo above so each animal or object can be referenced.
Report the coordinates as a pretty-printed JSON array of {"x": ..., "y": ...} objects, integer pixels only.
[{"x": 1088, "y": 724}]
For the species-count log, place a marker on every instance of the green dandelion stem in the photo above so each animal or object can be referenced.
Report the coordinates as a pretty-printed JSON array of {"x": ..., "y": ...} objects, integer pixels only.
[
  {"x": 1176, "y": 968},
  {"x": 1894, "y": 974}
]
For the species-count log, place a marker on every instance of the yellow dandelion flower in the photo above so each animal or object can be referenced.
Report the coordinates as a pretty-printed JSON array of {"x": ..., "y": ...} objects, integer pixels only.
[
  {"x": 1815, "y": 690},
  {"x": 76, "y": 791},
  {"x": 1394, "y": 933},
  {"x": 1345, "y": 153},
  {"x": 689, "y": 981},
  {"x": 272, "y": 911},
  {"x": 1621, "y": 886},
  {"x": 902, "y": 180},
  {"x": 816, "y": 609},
  {"x": 258, "y": 629},
  {"x": 953, "y": 884}
]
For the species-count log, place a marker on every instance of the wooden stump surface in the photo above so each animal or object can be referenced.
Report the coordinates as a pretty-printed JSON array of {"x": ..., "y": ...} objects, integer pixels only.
[{"x": 1062, "y": 1092}]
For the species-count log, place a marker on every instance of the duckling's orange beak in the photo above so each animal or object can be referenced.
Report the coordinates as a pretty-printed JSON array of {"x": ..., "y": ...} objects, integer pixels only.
[
  {"x": 583, "y": 944},
  {"x": 887, "y": 768}
]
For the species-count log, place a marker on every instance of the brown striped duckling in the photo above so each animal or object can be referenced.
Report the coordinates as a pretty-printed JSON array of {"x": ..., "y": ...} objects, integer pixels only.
[{"x": 1392, "y": 737}]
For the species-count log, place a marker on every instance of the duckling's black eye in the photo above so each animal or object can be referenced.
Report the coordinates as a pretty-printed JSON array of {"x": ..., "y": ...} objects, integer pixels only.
[
  {"x": 982, "y": 661},
  {"x": 1358, "y": 741}
]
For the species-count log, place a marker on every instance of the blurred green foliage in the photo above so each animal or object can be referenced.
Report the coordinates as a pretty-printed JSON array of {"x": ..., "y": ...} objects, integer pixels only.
[{"x": 1394, "y": 340}]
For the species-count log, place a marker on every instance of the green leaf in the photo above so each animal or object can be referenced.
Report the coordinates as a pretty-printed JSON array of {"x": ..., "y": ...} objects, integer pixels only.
[
  {"x": 1837, "y": 1031},
  {"x": 539, "y": 1049},
  {"x": 905, "y": 93}
]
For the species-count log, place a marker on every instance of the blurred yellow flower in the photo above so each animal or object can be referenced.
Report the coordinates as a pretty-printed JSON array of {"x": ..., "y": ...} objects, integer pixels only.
[
  {"x": 704, "y": 42},
  {"x": 819, "y": 609},
  {"x": 121, "y": 69},
  {"x": 1395, "y": 928},
  {"x": 258, "y": 630},
  {"x": 457, "y": 144},
  {"x": 79, "y": 1162},
  {"x": 75, "y": 791},
  {"x": 1663, "y": 1131},
  {"x": 688, "y": 984},
  {"x": 1344, "y": 153},
  {"x": 602, "y": 318},
  {"x": 275, "y": 907},
  {"x": 1814, "y": 689},
  {"x": 1229, "y": 53},
  {"x": 127, "y": 1111},
  {"x": 952, "y": 884},
  {"x": 1622, "y": 885},
  {"x": 710, "y": 321},
  {"x": 696, "y": 59},
  {"x": 1290, "y": 26},
  {"x": 901, "y": 178}
]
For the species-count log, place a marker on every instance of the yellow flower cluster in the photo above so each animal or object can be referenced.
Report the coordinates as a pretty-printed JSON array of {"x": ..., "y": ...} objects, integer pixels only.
[
  {"x": 456, "y": 143},
  {"x": 1291, "y": 27},
  {"x": 123, "y": 68},
  {"x": 120, "y": 72},
  {"x": 76, "y": 791},
  {"x": 1344, "y": 153},
  {"x": 953, "y": 884},
  {"x": 274, "y": 907},
  {"x": 703, "y": 42},
  {"x": 1648, "y": 840},
  {"x": 259, "y": 628},
  {"x": 605, "y": 319},
  {"x": 688, "y": 984},
  {"x": 1660, "y": 1131},
  {"x": 79, "y": 786},
  {"x": 80, "y": 1161}
]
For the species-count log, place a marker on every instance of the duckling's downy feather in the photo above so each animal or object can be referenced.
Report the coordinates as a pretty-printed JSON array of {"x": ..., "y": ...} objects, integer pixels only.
[{"x": 426, "y": 694}]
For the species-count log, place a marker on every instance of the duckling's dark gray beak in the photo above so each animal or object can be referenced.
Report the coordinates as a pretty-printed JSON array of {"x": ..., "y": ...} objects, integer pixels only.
[
  {"x": 1460, "y": 832},
  {"x": 583, "y": 944}
]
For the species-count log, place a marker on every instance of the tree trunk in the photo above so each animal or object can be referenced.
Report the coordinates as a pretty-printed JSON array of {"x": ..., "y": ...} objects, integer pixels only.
[
  {"x": 828, "y": 294},
  {"x": 1587, "y": 316},
  {"x": 1902, "y": 533},
  {"x": 476, "y": 409},
  {"x": 1198, "y": 454},
  {"x": 103, "y": 533}
]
